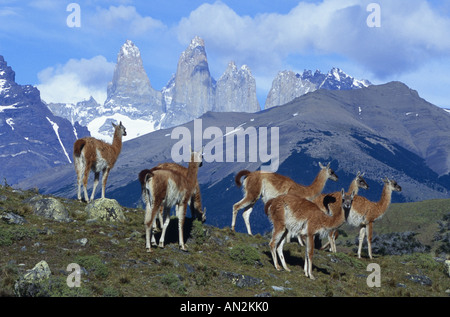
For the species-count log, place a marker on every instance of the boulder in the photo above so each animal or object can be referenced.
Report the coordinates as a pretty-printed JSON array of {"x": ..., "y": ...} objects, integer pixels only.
[
  {"x": 12, "y": 218},
  {"x": 105, "y": 209},
  {"x": 29, "y": 285},
  {"x": 49, "y": 208}
]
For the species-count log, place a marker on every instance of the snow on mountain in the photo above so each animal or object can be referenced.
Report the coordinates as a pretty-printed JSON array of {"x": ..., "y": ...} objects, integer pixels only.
[
  {"x": 56, "y": 129},
  {"x": 100, "y": 127}
]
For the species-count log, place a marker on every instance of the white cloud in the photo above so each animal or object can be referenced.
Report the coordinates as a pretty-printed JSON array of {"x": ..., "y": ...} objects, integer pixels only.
[
  {"x": 411, "y": 32},
  {"x": 76, "y": 80},
  {"x": 125, "y": 19}
]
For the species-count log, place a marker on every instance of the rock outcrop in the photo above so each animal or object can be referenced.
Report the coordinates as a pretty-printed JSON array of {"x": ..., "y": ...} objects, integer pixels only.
[
  {"x": 130, "y": 91},
  {"x": 288, "y": 85},
  {"x": 236, "y": 90}
]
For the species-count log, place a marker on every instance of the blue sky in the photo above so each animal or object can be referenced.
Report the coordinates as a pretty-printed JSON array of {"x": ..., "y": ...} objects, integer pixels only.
[{"x": 68, "y": 64}]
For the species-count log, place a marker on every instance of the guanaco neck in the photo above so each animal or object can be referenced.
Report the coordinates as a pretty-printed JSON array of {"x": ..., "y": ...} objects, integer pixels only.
[
  {"x": 353, "y": 187},
  {"x": 318, "y": 184},
  {"x": 192, "y": 172},
  {"x": 385, "y": 199},
  {"x": 117, "y": 141}
]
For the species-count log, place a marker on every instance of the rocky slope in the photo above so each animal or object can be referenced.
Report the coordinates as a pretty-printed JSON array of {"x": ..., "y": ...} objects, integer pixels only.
[{"x": 40, "y": 256}]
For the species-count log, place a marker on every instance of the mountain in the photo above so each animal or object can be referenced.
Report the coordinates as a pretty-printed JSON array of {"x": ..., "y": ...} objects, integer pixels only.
[
  {"x": 288, "y": 85},
  {"x": 236, "y": 90},
  {"x": 130, "y": 99},
  {"x": 191, "y": 92},
  {"x": 32, "y": 138},
  {"x": 82, "y": 112},
  {"x": 373, "y": 130},
  {"x": 130, "y": 92}
]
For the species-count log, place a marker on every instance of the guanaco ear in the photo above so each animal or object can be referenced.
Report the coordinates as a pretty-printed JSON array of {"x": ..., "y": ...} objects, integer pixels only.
[
  {"x": 320, "y": 164},
  {"x": 342, "y": 192},
  {"x": 113, "y": 125}
]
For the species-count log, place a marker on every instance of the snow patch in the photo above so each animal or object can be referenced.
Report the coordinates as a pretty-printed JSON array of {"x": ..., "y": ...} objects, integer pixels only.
[
  {"x": 15, "y": 154},
  {"x": 135, "y": 127},
  {"x": 56, "y": 129},
  {"x": 10, "y": 122},
  {"x": 10, "y": 107}
]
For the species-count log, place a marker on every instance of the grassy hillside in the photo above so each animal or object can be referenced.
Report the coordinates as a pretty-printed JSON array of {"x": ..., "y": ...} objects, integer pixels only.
[{"x": 219, "y": 262}]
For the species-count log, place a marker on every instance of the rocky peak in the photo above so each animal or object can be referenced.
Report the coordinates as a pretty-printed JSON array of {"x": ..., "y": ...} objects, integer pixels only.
[
  {"x": 130, "y": 90},
  {"x": 289, "y": 85},
  {"x": 191, "y": 92},
  {"x": 129, "y": 50},
  {"x": 286, "y": 86},
  {"x": 236, "y": 90},
  {"x": 196, "y": 42},
  {"x": 6, "y": 72}
]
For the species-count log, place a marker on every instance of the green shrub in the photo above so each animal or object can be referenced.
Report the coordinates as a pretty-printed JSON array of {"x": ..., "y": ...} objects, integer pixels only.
[
  {"x": 173, "y": 282},
  {"x": 12, "y": 233},
  {"x": 93, "y": 263},
  {"x": 424, "y": 261},
  {"x": 56, "y": 286},
  {"x": 244, "y": 254},
  {"x": 198, "y": 232}
]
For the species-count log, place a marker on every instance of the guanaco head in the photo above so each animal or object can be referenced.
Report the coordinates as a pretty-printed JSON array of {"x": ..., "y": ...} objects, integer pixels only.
[
  {"x": 347, "y": 200},
  {"x": 330, "y": 173},
  {"x": 197, "y": 157},
  {"x": 121, "y": 128},
  {"x": 361, "y": 182},
  {"x": 392, "y": 184}
]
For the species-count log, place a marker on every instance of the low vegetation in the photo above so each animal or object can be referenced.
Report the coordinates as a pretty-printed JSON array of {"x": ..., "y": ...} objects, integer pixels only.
[{"x": 219, "y": 262}]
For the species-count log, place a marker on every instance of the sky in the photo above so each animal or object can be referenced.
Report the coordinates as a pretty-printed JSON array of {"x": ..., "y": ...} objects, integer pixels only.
[{"x": 69, "y": 49}]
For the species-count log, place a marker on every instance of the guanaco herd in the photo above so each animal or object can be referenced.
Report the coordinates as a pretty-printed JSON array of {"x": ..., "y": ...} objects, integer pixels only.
[{"x": 293, "y": 209}]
